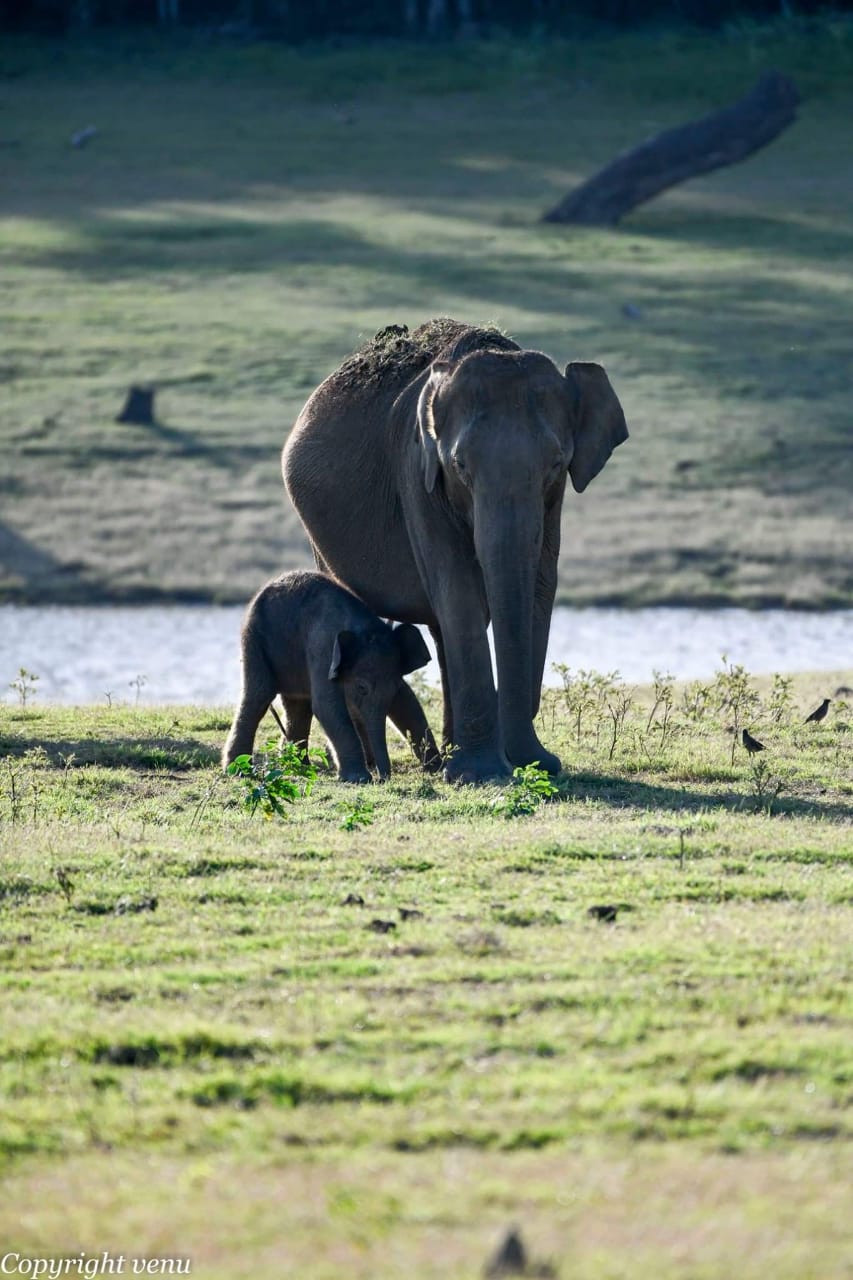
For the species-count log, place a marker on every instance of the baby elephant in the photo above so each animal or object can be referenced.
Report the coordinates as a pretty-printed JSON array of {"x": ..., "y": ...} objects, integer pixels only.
[{"x": 311, "y": 641}]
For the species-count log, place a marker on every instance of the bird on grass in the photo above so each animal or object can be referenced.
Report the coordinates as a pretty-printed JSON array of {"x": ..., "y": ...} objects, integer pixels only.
[
  {"x": 752, "y": 744},
  {"x": 819, "y": 713}
]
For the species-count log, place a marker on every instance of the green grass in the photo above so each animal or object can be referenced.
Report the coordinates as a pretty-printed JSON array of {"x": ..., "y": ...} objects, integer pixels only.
[
  {"x": 246, "y": 215},
  {"x": 210, "y": 1049}
]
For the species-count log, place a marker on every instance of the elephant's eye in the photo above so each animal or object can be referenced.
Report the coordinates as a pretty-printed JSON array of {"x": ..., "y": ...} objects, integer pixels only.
[{"x": 362, "y": 688}]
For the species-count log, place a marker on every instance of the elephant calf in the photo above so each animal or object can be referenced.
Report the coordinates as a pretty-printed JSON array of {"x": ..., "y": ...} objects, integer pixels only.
[{"x": 319, "y": 647}]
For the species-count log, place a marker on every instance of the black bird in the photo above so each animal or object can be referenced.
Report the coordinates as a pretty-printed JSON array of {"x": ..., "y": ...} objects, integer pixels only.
[
  {"x": 819, "y": 713},
  {"x": 752, "y": 744},
  {"x": 382, "y": 926},
  {"x": 606, "y": 912}
]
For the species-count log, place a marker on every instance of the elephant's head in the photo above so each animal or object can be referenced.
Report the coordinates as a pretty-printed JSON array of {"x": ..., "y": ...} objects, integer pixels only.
[
  {"x": 497, "y": 406},
  {"x": 499, "y": 431},
  {"x": 370, "y": 666}
]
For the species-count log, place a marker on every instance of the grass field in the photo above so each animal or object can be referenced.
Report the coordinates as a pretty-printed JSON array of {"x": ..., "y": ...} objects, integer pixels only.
[
  {"x": 211, "y": 1049},
  {"x": 247, "y": 214}
]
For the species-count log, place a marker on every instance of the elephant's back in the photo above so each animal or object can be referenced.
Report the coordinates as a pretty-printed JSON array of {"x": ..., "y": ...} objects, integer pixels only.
[{"x": 393, "y": 357}]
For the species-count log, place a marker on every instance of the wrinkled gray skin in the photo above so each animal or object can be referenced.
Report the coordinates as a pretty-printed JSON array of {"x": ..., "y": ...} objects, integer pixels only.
[
  {"x": 307, "y": 639},
  {"x": 429, "y": 472}
]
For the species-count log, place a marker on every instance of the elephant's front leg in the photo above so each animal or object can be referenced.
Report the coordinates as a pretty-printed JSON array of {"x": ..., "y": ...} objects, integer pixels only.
[
  {"x": 453, "y": 583},
  {"x": 331, "y": 710},
  {"x": 478, "y": 755}
]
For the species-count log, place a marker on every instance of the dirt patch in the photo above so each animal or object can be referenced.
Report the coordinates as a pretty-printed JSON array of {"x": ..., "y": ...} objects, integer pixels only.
[{"x": 396, "y": 353}]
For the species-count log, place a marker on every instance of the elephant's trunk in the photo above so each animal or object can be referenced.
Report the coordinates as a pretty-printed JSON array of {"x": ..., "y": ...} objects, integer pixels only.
[{"x": 508, "y": 541}]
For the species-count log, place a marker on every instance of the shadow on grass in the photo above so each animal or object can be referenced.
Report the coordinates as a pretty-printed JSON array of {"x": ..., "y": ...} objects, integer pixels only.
[
  {"x": 189, "y": 444},
  {"x": 760, "y": 232},
  {"x": 172, "y": 754},
  {"x": 36, "y": 568},
  {"x": 629, "y": 793},
  {"x": 175, "y": 442}
]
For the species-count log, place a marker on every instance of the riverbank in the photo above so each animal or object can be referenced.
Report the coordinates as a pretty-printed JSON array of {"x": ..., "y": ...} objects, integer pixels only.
[
  {"x": 246, "y": 215},
  {"x": 370, "y": 1038},
  {"x": 190, "y": 653}
]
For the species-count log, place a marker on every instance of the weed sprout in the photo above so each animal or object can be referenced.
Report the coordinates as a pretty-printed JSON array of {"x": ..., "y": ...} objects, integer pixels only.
[{"x": 24, "y": 685}]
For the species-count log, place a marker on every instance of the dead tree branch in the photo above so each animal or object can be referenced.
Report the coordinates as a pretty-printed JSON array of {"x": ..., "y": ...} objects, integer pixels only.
[{"x": 722, "y": 138}]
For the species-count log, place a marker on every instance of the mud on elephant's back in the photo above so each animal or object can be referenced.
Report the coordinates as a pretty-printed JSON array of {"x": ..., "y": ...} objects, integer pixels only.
[{"x": 395, "y": 356}]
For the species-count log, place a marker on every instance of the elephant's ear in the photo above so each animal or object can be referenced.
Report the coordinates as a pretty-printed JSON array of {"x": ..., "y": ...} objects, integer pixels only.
[
  {"x": 411, "y": 646},
  {"x": 599, "y": 424},
  {"x": 343, "y": 653},
  {"x": 439, "y": 372}
]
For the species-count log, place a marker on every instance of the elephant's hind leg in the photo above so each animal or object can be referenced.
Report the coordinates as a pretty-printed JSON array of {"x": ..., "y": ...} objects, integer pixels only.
[
  {"x": 257, "y": 693},
  {"x": 297, "y": 720},
  {"x": 407, "y": 714}
]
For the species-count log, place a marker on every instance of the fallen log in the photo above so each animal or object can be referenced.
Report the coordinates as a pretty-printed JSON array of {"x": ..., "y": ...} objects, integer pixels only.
[{"x": 722, "y": 138}]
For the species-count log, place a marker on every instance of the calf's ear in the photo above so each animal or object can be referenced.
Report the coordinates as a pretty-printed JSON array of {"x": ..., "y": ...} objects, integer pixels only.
[
  {"x": 412, "y": 647},
  {"x": 598, "y": 425},
  {"x": 343, "y": 653}
]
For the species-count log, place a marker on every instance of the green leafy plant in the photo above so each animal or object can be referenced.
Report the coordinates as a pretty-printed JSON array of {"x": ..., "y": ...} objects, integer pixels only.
[
  {"x": 65, "y": 880},
  {"x": 736, "y": 697},
  {"x": 766, "y": 783},
  {"x": 24, "y": 685},
  {"x": 584, "y": 693},
  {"x": 13, "y": 770},
  {"x": 358, "y": 814},
  {"x": 696, "y": 700},
  {"x": 531, "y": 786},
  {"x": 664, "y": 697},
  {"x": 619, "y": 702},
  {"x": 781, "y": 701},
  {"x": 276, "y": 776},
  {"x": 22, "y": 779}
]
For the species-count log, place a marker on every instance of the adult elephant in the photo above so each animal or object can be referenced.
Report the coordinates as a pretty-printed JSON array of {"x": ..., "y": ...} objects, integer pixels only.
[{"x": 429, "y": 471}]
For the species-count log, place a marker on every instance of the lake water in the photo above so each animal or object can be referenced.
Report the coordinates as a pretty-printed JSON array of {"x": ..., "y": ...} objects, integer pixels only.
[{"x": 191, "y": 653}]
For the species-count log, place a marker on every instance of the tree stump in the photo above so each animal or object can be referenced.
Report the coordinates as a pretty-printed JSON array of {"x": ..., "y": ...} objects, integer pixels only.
[
  {"x": 722, "y": 138},
  {"x": 138, "y": 407}
]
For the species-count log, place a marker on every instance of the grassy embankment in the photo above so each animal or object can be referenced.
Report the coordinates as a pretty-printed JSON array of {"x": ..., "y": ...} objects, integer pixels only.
[
  {"x": 246, "y": 215},
  {"x": 208, "y": 1050}
]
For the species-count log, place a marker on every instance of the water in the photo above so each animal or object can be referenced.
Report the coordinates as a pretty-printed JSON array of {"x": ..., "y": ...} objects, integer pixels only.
[{"x": 191, "y": 653}]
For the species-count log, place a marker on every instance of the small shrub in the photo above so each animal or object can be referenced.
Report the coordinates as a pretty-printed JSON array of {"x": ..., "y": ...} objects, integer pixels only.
[
  {"x": 766, "y": 785},
  {"x": 584, "y": 693},
  {"x": 736, "y": 697},
  {"x": 780, "y": 703},
  {"x": 24, "y": 685},
  {"x": 531, "y": 786},
  {"x": 357, "y": 814},
  {"x": 619, "y": 702},
  {"x": 276, "y": 777},
  {"x": 664, "y": 696}
]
